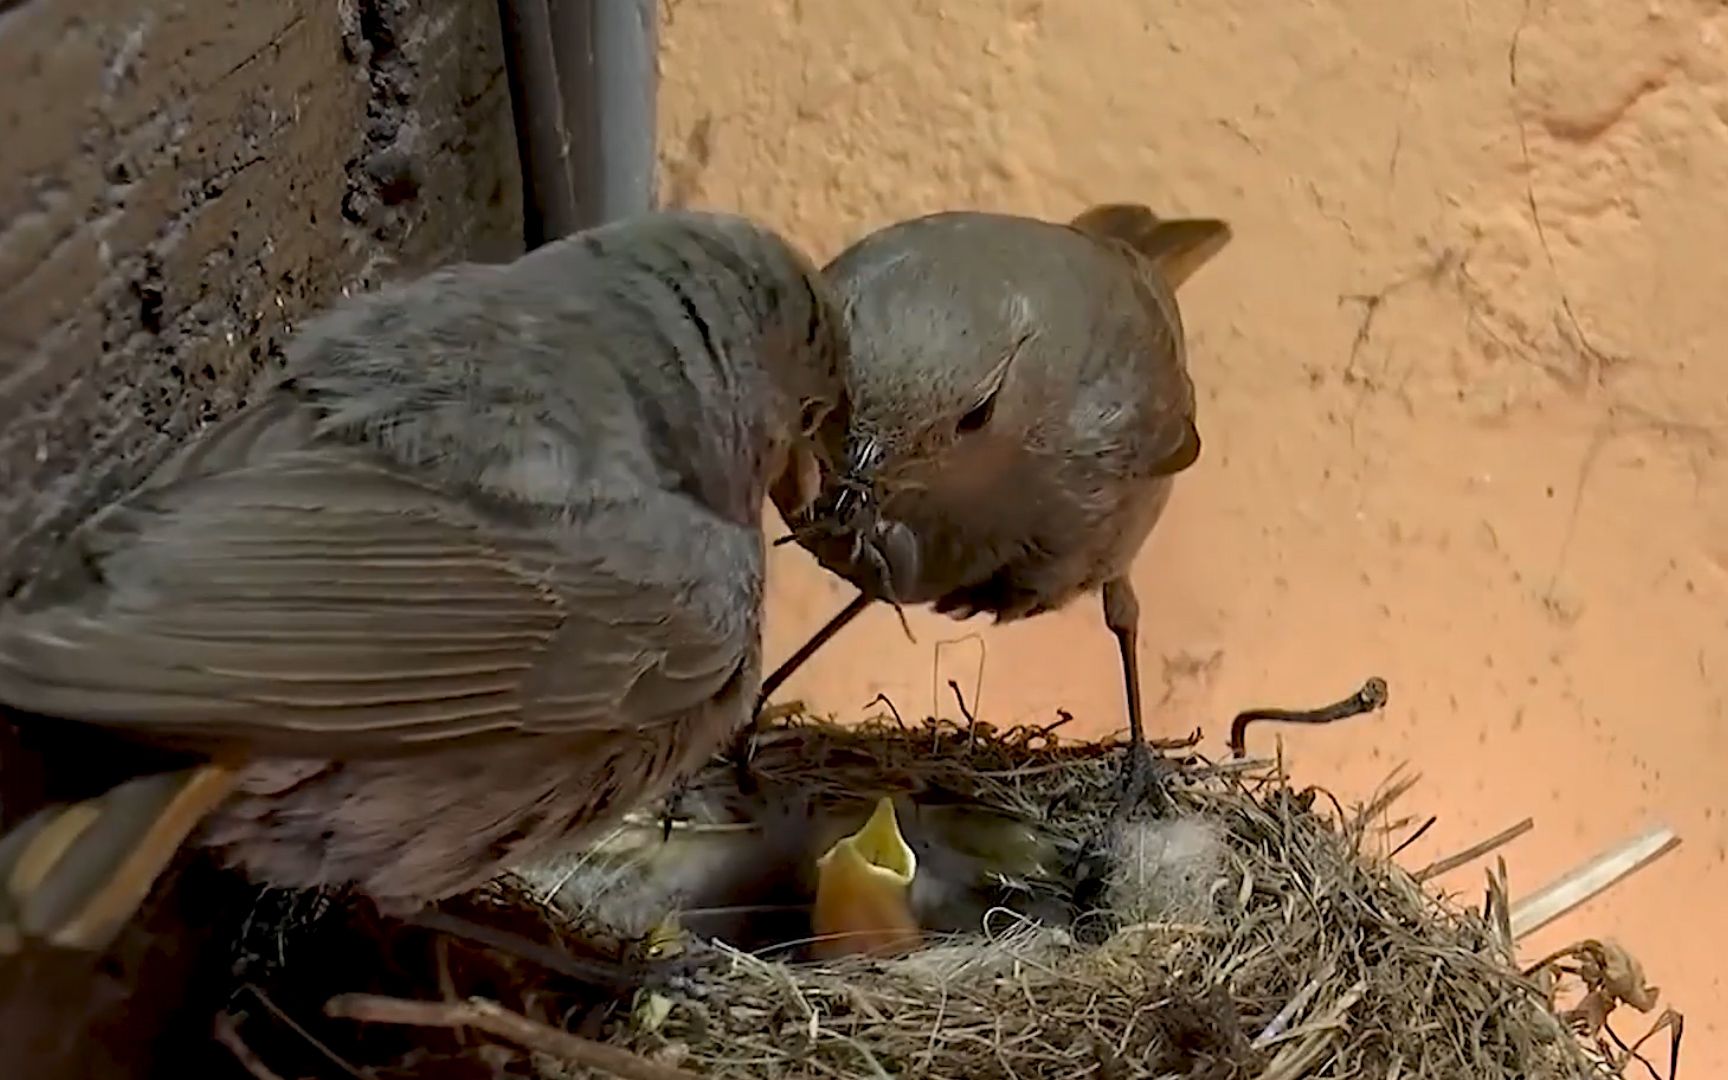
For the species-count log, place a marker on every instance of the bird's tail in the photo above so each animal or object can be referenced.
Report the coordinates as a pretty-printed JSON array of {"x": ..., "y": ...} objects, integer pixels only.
[
  {"x": 1177, "y": 246},
  {"x": 72, "y": 875}
]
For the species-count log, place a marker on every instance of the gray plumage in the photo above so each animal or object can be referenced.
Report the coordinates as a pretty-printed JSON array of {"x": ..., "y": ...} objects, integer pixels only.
[
  {"x": 1020, "y": 407},
  {"x": 482, "y": 572}
]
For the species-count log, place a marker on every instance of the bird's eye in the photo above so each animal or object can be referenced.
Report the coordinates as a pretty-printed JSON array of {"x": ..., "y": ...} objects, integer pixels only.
[{"x": 978, "y": 416}]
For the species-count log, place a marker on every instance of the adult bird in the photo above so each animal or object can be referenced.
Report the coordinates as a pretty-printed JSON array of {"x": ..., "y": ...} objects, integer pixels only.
[
  {"x": 481, "y": 572},
  {"x": 1020, "y": 408}
]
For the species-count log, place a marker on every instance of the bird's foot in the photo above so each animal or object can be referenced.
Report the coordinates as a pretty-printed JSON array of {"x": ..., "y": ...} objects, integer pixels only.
[
  {"x": 743, "y": 758},
  {"x": 672, "y": 811},
  {"x": 1143, "y": 782}
]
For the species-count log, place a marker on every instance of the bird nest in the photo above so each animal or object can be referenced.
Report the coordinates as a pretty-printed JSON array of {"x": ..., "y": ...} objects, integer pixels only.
[{"x": 1249, "y": 930}]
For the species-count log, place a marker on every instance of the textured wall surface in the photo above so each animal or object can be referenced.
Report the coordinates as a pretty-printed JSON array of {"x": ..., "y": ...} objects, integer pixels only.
[
  {"x": 182, "y": 180},
  {"x": 1463, "y": 373}
]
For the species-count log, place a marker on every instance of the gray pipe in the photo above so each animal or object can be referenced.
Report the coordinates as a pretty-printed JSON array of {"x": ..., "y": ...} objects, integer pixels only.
[
  {"x": 610, "y": 47},
  {"x": 542, "y": 137},
  {"x": 583, "y": 83}
]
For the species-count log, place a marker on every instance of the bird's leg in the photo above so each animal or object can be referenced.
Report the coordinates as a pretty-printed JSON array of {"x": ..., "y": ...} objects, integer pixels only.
[
  {"x": 673, "y": 809},
  {"x": 1122, "y": 616},
  {"x": 743, "y": 747}
]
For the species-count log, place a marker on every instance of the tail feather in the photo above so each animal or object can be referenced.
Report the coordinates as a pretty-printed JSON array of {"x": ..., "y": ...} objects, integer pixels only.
[
  {"x": 72, "y": 875},
  {"x": 1177, "y": 246}
]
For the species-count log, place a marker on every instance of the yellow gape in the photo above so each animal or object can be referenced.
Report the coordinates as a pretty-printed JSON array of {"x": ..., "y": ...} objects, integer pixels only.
[{"x": 863, "y": 891}]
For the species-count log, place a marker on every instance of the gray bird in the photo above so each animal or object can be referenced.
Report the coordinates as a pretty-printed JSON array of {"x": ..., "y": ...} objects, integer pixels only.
[
  {"x": 1020, "y": 406},
  {"x": 481, "y": 573}
]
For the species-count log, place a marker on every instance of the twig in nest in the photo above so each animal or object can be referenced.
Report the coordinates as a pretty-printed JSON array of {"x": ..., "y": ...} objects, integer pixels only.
[
  {"x": 1594, "y": 877},
  {"x": 614, "y": 976},
  {"x": 1675, "y": 1023},
  {"x": 1393, "y": 788},
  {"x": 965, "y": 713},
  {"x": 1415, "y": 836},
  {"x": 884, "y": 699},
  {"x": 299, "y": 1029},
  {"x": 1063, "y": 719},
  {"x": 228, "y": 1034},
  {"x": 978, "y": 677},
  {"x": 1179, "y": 742},
  {"x": 672, "y": 808},
  {"x": 1474, "y": 851},
  {"x": 495, "y": 1019},
  {"x": 774, "y": 713},
  {"x": 1370, "y": 698},
  {"x": 1612, "y": 977}
]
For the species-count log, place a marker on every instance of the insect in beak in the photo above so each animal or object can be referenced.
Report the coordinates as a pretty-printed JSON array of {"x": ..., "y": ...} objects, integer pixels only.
[{"x": 863, "y": 455}]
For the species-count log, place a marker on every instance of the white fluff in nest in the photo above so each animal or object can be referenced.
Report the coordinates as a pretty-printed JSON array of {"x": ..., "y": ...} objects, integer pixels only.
[{"x": 1166, "y": 870}]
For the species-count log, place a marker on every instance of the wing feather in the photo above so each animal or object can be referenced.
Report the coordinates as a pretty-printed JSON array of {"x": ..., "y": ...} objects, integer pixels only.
[{"x": 318, "y": 601}]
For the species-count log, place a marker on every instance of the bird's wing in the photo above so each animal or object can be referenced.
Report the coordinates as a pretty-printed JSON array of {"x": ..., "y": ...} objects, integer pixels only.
[
  {"x": 319, "y": 601},
  {"x": 665, "y": 614},
  {"x": 1136, "y": 419}
]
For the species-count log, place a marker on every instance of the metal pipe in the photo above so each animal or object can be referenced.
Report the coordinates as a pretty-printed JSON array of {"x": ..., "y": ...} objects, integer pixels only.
[
  {"x": 607, "y": 57},
  {"x": 543, "y": 142},
  {"x": 583, "y": 86}
]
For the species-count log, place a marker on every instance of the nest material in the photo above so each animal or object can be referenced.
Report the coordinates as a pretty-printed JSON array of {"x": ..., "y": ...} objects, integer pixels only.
[{"x": 1252, "y": 935}]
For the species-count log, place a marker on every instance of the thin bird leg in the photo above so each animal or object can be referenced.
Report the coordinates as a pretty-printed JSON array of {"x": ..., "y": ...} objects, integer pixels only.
[
  {"x": 744, "y": 746},
  {"x": 1139, "y": 774},
  {"x": 820, "y": 638}
]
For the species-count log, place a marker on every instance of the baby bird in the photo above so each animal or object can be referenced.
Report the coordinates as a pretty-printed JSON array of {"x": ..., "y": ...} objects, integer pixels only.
[
  {"x": 820, "y": 864},
  {"x": 864, "y": 892},
  {"x": 483, "y": 571},
  {"x": 1020, "y": 406}
]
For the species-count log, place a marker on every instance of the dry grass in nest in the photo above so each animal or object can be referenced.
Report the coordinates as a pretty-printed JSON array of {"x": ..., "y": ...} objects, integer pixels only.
[
  {"x": 1251, "y": 934},
  {"x": 1286, "y": 952}
]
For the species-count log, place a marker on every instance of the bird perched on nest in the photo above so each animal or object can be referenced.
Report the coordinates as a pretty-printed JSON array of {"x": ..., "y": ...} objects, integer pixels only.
[
  {"x": 484, "y": 570},
  {"x": 1020, "y": 406}
]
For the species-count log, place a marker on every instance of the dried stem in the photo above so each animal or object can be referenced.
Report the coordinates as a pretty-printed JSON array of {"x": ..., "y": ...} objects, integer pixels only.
[
  {"x": 1474, "y": 851},
  {"x": 494, "y": 1019}
]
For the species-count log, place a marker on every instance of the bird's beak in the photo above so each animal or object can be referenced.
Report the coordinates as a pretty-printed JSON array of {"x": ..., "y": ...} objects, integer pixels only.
[
  {"x": 863, "y": 891},
  {"x": 878, "y": 848}
]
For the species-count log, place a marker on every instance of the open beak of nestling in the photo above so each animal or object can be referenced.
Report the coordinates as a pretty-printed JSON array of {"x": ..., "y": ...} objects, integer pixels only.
[{"x": 863, "y": 892}]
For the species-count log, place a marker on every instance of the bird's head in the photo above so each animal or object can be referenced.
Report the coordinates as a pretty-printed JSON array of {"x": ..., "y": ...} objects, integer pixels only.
[{"x": 949, "y": 386}]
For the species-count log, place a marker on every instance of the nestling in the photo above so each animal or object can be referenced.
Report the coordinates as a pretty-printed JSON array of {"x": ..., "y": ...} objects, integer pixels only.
[{"x": 864, "y": 892}]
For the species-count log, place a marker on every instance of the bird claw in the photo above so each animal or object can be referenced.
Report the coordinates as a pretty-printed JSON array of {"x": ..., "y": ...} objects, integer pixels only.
[
  {"x": 673, "y": 810},
  {"x": 1142, "y": 782},
  {"x": 743, "y": 757}
]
